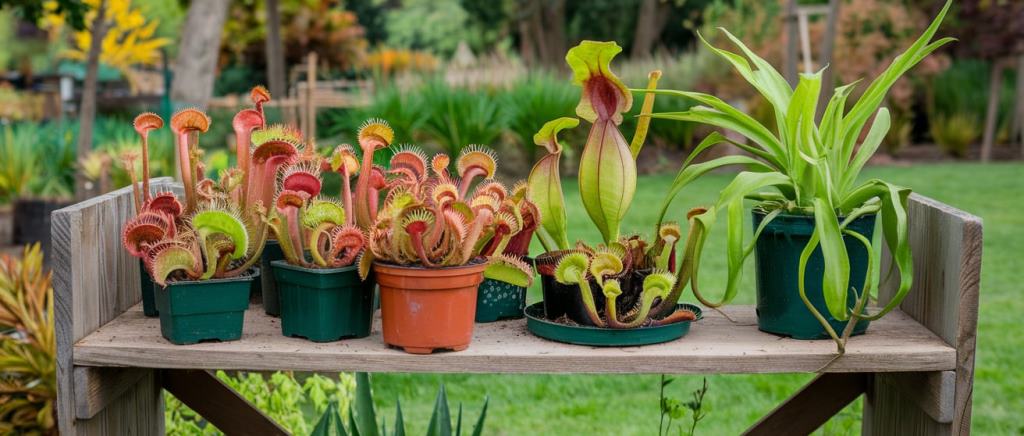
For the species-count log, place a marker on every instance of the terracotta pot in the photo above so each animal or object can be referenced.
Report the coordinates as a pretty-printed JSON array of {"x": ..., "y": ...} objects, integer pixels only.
[{"x": 428, "y": 309}]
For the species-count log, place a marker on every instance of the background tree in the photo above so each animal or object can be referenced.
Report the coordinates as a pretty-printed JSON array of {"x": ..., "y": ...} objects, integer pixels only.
[
  {"x": 275, "y": 49},
  {"x": 98, "y": 25},
  {"x": 991, "y": 30},
  {"x": 196, "y": 65}
]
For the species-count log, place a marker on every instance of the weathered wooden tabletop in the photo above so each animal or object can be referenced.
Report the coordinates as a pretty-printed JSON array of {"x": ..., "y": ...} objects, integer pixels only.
[{"x": 714, "y": 345}]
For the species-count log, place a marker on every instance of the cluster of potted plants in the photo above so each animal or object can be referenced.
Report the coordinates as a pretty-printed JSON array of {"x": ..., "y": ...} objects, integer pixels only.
[
  {"x": 446, "y": 244},
  {"x": 426, "y": 235},
  {"x": 817, "y": 251}
]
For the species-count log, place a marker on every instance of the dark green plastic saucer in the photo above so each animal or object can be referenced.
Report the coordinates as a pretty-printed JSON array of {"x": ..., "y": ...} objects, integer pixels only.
[{"x": 605, "y": 337}]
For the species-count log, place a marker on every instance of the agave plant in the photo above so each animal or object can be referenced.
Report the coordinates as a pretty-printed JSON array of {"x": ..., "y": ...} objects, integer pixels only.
[
  {"x": 222, "y": 226},
  {"x": 607, "y": 181},
  {"x": 28, "y": 350},
  {"x": 812, "y": 169},
  {"x": 434, "y": 219}
]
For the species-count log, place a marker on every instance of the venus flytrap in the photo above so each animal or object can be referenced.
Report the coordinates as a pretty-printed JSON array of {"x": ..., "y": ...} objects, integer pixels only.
[
  {"x": 220, "y": 230},
  {"x": 432, "y": 220},
  {"x": 304, "y": 222}
]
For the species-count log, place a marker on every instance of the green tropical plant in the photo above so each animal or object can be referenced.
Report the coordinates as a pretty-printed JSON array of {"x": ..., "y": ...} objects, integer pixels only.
[
  {"x": 404, "y": 110},
  {"x": 18, "y": 162},
  {"x": 28, "y": 350},
  {"x": 538, "y": 96},
  {"x": 955, "y": 133},
  {"x": 295, "y": 403},
  {"x": 813, "y": 169},
  {"x": 675, "y": 410},
  {"x": 362, "y": 419},
  {"x": 456, "y": 117}
]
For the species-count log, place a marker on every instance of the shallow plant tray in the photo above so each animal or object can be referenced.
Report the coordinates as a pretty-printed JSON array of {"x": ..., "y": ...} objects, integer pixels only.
[{"x": 605, "y": 337}]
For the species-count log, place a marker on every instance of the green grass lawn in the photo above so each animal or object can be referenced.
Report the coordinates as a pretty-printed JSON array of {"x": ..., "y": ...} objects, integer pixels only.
[{"x": 628, "y": 405}]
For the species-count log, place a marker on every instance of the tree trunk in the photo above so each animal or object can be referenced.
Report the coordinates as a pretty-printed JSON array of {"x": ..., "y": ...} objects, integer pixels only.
[
  {"x": 792, "y": 40},
  {"x": 87, "y": 110},
  {"x": 553, "y": 14},
  {"x": 650, "y": 21},
  {"x": 828, "y": 83},
  {"x": 527, "y": 44},
  {"x": 995, "y": 85},
  {"x": 275, "y": 50},
  {"x": 197, "y": 53},
  {"x": 1016, "y": 130}
]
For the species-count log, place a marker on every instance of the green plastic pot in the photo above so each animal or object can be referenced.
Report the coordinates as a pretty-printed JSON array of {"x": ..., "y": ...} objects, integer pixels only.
[
  {"x": 780, "y": 310},
  {"x": 267, "y": 285},
  {"x": 146, "y": 287},
  {"x": 204, "y": 310},
  {"x": 323, "y": 305},
  {"x": 538, "y": 324},
  {"x": 498, "y": 300}
]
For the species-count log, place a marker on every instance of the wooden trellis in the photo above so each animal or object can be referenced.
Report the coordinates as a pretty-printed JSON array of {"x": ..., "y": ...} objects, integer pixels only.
[{"x": 915, "y": 367}]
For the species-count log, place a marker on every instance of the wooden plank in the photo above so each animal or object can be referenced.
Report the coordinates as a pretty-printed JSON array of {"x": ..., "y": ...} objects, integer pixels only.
[
  {"x": 933, "y": 392},
  {"x": 95, "y": 280},
  {"x": 812, "y": 406},
  {"x": 218, "y": 403},
  {"x": 714, "y": 345},
  {"x": 947, "y": 244},
  {"x": 96, "y": 388}
]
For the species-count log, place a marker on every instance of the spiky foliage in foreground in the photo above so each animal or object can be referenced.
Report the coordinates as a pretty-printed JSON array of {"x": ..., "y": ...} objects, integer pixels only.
[
  {"x": 434, "y": 219},
  {"x": 220, "y": 229},
  {"x": 28, "y": 383}
]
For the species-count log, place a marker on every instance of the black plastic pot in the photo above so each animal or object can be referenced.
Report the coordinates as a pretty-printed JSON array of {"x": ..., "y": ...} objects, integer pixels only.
[
  {"x": 777, "y": 259},
  {"x": 566, "y": 300},
  {"x": 146, "y": 286},
  {"x": 32, "y": 220},
  {"x": 266, "y": 285},
  {"x": 6, "y": 224},
  {"x": 560, "y": 299}
]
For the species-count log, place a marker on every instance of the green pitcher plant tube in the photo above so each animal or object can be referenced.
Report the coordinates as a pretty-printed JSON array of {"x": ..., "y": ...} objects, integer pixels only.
[{"x": 607, "y": 181}]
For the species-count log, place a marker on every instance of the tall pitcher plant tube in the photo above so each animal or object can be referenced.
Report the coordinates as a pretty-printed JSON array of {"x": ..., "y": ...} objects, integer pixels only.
[
  {"x": 545, "y": 185},
  {"x": 607, "y": 175},
  {"x": 808, "y": 168}
]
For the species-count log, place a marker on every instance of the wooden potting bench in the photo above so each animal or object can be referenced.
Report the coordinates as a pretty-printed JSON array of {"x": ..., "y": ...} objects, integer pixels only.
[{"x": 915, "y": 367}]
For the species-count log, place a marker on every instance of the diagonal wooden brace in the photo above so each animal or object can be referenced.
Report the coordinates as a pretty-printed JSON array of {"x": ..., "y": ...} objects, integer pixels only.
[
  {"x": 218, "y": 403},
  {"x": 813, "y": 405}
]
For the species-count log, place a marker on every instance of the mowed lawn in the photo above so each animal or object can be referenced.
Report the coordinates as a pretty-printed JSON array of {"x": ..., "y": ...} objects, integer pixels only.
[{"x": 628, "y": 404}]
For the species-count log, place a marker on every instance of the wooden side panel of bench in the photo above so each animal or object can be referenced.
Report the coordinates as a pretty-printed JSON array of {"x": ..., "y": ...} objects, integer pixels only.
[
  {"x": 946, "y": 245},
  {"x": 95, "y": 280}
]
